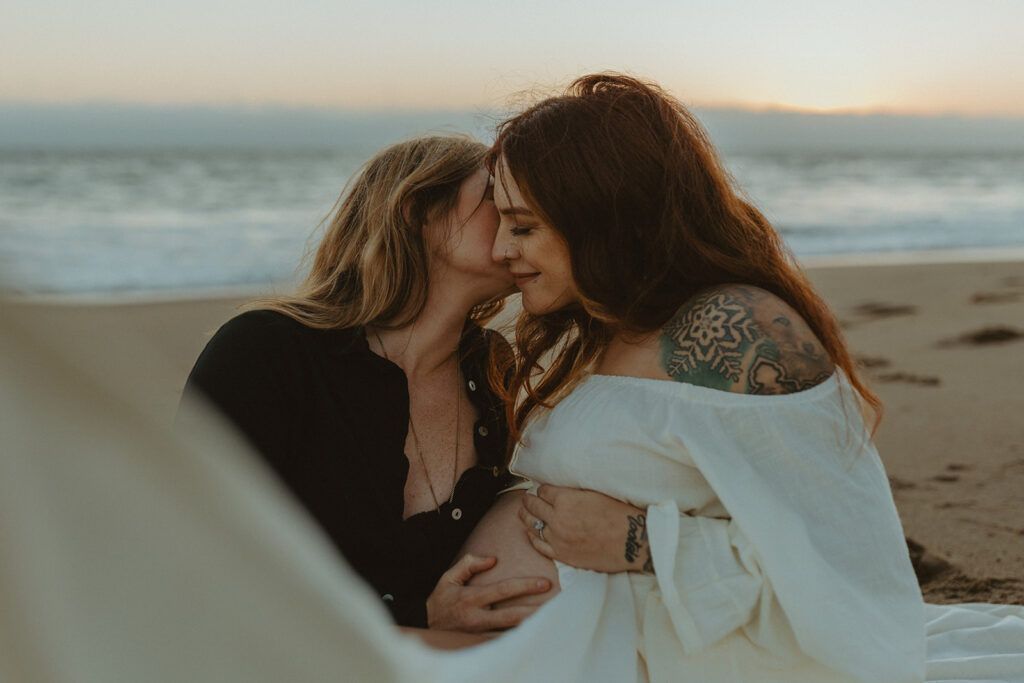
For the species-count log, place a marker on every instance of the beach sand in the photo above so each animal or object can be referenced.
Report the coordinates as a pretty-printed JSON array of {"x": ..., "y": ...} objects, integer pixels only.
[
  {"x": 941, "y": 343},
  {"x": 943, "y": 346}
]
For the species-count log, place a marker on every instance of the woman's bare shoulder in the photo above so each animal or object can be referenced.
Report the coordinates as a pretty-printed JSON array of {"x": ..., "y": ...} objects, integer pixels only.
[{"x": 742, "y": 339}]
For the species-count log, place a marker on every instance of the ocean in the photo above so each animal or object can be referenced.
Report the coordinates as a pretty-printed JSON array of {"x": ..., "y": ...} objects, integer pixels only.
[{"x": 124, "y": 220}]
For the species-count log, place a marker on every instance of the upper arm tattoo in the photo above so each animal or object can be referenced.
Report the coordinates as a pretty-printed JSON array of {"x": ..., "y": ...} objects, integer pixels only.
[{"x": 742, "y": 339}]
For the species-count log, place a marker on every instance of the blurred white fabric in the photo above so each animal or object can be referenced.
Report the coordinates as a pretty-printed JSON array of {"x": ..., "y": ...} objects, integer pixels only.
[{"x": 131, "y": 554}]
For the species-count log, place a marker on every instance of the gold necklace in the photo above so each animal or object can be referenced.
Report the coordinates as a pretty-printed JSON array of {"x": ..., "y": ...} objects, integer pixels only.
[{"x": 416, "y": 437}]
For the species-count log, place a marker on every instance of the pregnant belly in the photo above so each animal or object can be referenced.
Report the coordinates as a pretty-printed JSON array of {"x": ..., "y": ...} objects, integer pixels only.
[{"x": 501, "y": 534}]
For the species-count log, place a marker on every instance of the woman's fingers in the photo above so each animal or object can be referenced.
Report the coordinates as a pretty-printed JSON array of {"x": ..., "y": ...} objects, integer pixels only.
[
  {"x": 455, "y": 606},
  {"x": 530, "y": 522},
  {"x": 538, "y": 507},
  {"x": 542, "y": 546},
  {"x": 550, "y": 493},
  {"x": 540, "y": 540},
  {"x": 468, "y": 565}
]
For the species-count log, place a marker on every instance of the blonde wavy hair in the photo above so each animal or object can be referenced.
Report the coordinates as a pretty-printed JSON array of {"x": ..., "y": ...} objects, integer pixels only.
[{"x": 371, "y": 264}]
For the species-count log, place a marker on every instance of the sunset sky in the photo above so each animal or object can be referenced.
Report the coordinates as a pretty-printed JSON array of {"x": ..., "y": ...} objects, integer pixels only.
[{"x": 901, "y": 56}]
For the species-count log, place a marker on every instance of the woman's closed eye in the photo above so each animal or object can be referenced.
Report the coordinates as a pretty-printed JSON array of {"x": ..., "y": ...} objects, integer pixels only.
[{"x": 517, "y": 230}]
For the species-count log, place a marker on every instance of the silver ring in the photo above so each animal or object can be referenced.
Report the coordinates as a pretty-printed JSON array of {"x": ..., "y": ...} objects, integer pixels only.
[{"x": 539, "y": 527}]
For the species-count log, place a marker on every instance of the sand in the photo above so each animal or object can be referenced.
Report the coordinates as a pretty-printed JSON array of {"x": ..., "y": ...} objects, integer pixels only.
[{"x": 941, "y": 343}]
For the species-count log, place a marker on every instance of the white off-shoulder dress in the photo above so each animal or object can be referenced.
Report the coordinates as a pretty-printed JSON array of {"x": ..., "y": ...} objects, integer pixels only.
[{"x": 778, "y": 552}]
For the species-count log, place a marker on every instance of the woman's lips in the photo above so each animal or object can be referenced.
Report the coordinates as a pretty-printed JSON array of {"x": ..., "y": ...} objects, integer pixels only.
[{"x": 523, "y": 278}]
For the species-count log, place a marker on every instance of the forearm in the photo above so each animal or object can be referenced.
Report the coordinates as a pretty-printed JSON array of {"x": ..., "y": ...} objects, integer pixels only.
[
  {"x": 637, "y": 550},
  {"x": 587, "y": 529}
]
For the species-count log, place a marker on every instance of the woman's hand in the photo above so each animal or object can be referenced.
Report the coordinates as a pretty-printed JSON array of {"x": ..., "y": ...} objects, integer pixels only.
[
  {"x": 587, "y": 529},
  {"x": 454, "y": 606}
]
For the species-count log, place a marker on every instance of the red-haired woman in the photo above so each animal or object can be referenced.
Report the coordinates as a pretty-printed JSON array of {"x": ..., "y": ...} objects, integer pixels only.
[{"x": 692, "y": 374}]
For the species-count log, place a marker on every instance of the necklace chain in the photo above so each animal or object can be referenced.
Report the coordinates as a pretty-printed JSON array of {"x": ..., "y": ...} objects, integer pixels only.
[{"x": 416, "y": 437}]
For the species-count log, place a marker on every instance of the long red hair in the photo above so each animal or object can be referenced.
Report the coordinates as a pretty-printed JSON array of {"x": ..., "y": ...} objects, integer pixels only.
[{"x": 629, "y": 178}]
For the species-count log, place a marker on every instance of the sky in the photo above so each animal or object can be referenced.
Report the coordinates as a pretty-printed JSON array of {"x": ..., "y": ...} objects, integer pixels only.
[{"x": 897, "y": 56}]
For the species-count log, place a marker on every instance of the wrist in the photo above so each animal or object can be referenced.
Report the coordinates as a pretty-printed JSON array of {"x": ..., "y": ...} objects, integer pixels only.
[{"x": 637, "y": 550}]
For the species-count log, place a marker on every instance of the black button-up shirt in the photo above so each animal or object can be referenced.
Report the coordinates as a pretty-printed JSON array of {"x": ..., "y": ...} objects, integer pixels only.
[{"x": 331, "y": 417}]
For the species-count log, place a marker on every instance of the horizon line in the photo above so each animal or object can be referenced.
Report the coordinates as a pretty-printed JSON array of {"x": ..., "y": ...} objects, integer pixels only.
[{"x": 270, "y": 106}]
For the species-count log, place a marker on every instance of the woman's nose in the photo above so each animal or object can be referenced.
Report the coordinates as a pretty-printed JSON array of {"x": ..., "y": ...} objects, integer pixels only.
[{"x": 505, "y": 248}]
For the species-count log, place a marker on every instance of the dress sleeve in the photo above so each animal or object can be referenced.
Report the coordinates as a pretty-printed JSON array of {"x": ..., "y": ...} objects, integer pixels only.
[
  {"x": 251, "y": 370},
  {"x": 707, "y": 572},
  {"x": 813, "y": 524}
]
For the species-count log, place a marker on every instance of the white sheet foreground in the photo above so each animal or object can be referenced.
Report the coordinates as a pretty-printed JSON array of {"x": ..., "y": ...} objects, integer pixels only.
[{"x": 130, "y": 554}]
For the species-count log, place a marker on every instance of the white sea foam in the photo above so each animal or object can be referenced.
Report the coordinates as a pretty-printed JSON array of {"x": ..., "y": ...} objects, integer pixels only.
[{"x": 158, "y": 220}]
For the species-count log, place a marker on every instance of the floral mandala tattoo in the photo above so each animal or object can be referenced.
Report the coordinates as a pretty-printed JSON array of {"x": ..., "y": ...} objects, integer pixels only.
[{"x": 713, "y": 332}]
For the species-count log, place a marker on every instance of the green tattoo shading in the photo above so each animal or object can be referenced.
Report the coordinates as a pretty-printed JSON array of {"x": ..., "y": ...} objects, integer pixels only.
[
  {"x": 742, "y": 339},
  {"x": 706, "y": 341}
]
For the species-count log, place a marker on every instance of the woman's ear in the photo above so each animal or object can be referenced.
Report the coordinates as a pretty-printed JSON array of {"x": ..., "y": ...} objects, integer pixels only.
[{"x": 408, "y": 205}]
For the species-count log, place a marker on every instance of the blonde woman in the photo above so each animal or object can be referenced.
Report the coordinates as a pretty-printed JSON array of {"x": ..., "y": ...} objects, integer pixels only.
[{"x": 367, "y": 391}]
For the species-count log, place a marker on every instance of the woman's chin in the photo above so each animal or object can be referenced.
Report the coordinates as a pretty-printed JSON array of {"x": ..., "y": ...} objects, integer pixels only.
[{"x": 536, "y": 305}]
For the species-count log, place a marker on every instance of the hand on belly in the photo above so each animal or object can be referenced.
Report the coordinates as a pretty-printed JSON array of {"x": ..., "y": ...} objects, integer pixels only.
[{"x": 500, "y": 534}]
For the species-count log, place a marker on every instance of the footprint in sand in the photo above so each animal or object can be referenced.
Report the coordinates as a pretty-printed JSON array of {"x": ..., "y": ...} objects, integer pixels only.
[
  {"x": 874, "y": 309},
  {"x": 1012, "y": 281},
  {"x": 898, "y": 484},
  {"x": 872, "y": 362},
  {"x": 955, "y": 586},
  {"x": 927, "y": 566},
  {"x": 998, "y": 334},
  {"x": 950, "y": 504},
  {"x": 952, "y": 467},
  {"x": 995, "y": 297},
  {"x": 910, "y": 378}
]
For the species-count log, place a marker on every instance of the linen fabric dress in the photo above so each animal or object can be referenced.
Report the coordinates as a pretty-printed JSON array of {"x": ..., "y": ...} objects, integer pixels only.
[{"x": 778, "y": 552}]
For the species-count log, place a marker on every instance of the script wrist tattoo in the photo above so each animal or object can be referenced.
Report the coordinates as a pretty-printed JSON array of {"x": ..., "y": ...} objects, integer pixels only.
[{"x": 636, "y": 542}]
